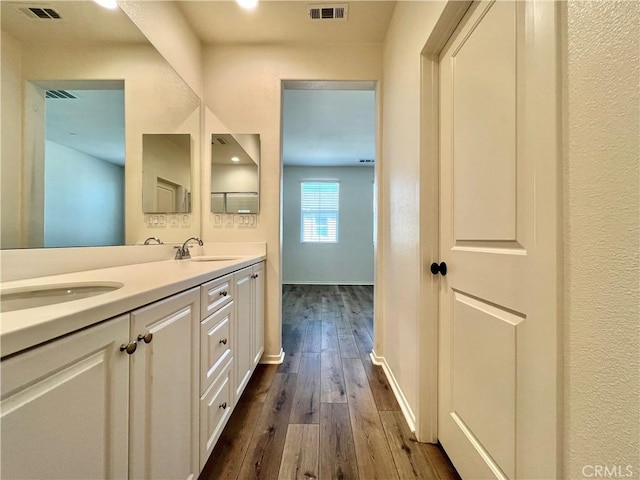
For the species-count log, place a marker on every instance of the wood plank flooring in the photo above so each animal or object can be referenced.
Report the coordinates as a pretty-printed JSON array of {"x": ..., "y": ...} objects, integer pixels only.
[{"x": 327, "y": 412}]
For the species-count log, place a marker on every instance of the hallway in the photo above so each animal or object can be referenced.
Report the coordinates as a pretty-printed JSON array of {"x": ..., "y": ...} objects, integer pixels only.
[{"x": 326, "y": 412}]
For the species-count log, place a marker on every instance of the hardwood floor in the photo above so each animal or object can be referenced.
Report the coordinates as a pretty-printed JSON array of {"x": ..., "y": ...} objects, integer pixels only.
[{"x": 327, "y": 412}]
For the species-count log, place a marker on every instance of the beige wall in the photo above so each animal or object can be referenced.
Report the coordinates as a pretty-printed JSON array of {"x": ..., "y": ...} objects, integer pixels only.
[
  {"x": 400, "y": 194},
  {"x": 242, "y": 87},
  {"x": 601, "y": 319},
  {"x": 10, "y": 125},
  {"x": 169, "y": 32}
]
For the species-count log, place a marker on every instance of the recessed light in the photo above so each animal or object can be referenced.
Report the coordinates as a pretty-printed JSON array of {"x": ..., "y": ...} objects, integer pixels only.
[
  {"x": 110, "y": 4},
  {"x": 235, "y": 159},
  {"x": 247, "y": 4}
]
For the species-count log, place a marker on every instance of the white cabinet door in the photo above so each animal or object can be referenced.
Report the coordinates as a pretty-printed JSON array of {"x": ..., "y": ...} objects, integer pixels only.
[
  {"x": 64, "y": 409},
  {"x": 243, "y": 341},
  {"x": 258, "y": 312},
  {"x": 165, "y": 389}
]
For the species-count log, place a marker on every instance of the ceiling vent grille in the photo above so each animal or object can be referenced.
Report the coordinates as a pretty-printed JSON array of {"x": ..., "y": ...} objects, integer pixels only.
[
  {"x": 43, "y": 13},
  {"x": 328, "y": 12},
  {"x": 219, "y": 141},
  {"x": 367, "y": 160},
  {"x": 60, "y": 95}
]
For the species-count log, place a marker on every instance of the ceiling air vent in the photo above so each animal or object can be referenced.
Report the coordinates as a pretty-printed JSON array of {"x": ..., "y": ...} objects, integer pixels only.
[
  {"x": 367, "y": 160},
  {"x": 219, "y": 141},
  {"x": 44, "y": 13},
  {"x": 328, "y": 12},
  {"x": 60, "y": 95}
]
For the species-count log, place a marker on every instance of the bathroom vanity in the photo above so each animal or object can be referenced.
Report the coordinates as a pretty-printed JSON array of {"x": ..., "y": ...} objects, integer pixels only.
[{"x": 136, "y": 382}]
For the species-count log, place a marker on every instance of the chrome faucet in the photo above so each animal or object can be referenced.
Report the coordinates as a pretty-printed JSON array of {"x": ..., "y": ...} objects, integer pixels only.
[
  {"x": 153, "y": 239},
  {"x": 182, "y": 253}
]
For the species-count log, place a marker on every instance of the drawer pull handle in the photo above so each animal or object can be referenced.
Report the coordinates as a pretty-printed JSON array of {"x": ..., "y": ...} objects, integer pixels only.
[
  {"x": 129, "y": 347},
  {"x": 223, "y": 341},
  {"x": 223, "y": 406},
  {"x": 147, "y": 337},
  {"x": 224, "y": 293}
]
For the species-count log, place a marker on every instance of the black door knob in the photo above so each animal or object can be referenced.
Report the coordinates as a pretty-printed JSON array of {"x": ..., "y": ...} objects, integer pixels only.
[{"x": 439, "y": 268}]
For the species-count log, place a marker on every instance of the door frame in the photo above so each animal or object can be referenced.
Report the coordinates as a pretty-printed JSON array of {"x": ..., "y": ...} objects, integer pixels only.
[
  {"x": 337, "y": 84},
  {"x": 428, "y": 336},
  {"x": 427, "y": 405}
]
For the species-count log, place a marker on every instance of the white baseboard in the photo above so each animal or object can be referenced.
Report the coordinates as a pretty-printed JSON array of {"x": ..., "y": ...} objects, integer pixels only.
[
  {"x": 409, "y": 416},
  {"x": 273, "y": 359}
]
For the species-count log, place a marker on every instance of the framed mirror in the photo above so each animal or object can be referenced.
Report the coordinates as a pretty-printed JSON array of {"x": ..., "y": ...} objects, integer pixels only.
[
  {"x": 235, "y": 173},
  {"x": 166, "y": 173},
  {"x": 53, "y": 67}
]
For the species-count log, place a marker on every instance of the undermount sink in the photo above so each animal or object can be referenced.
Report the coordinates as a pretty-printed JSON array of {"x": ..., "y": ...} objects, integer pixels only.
[
  {"x": 20, "y": 298},
  {"x": 214, "y": 258}
]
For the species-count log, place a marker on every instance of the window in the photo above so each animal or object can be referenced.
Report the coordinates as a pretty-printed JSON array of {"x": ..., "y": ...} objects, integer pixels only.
[{"x": 319, "y": 209}]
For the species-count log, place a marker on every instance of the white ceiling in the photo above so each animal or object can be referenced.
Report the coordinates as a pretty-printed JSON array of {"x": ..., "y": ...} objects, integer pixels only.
[{"x": 328, "y": 127}]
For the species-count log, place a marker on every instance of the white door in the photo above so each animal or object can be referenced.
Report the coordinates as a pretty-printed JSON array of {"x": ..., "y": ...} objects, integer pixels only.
[
  {"x": 498, "y": 361},
  {"x": 166, "y": 195}
]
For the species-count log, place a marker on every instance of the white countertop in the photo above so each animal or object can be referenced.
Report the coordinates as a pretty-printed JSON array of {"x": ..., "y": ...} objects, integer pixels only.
[{"x": 144, "y": 283}]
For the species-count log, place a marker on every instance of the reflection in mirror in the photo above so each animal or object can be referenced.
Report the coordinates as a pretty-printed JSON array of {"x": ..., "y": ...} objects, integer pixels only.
[
  {"x": 166, "y": 173},
  {"x": 84, "y": 162},
  {"x": 89, "y": 52},
  {"x": 235, "y": 173}
]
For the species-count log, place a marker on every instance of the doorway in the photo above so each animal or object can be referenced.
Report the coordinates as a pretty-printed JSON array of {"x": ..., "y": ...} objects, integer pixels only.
[{"x": 328, "y": 205}]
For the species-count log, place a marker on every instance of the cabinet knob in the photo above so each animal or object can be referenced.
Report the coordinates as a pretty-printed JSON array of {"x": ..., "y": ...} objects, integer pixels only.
[
  {"x": 223, "y": 405},
  {"x": 254, "y": 276},
  {"x": 129, "y": 347},
  {"x": 224, "y": 293},
  {"x": 147, "y": 337},
  {"x": 223, "y": 341}
]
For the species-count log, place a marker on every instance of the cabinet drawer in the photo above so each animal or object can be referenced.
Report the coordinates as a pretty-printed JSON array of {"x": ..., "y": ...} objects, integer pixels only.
[
  {"x": 215, "y": 294},
  {"x": 215, "y": 344},
  {"x": 215, "y": 409}
]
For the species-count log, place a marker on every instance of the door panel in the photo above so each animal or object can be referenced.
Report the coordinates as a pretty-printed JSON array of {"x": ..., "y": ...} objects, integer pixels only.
[
  {"x": 484, "y": 359},
  {"x": 483, "y": 73},
  {"x": 498, "y": 216}
]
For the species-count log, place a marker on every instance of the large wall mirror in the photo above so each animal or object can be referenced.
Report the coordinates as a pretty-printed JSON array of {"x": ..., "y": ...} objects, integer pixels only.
[
  {"x": 78, "y": 94},
  {"x": 235, "y": 173}
]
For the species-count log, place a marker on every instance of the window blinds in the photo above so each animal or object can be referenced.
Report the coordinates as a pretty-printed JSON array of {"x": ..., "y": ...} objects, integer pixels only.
[{"x": 319, "y": 210}]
